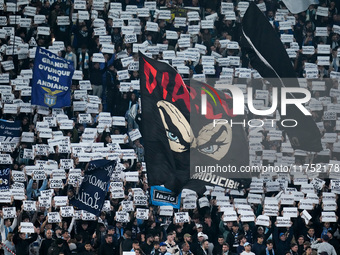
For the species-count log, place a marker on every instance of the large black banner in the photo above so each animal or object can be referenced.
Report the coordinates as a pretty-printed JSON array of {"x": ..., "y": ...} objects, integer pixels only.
[
  {"x": 270, "y": 59},
  {"x": 178, "y": 138}
]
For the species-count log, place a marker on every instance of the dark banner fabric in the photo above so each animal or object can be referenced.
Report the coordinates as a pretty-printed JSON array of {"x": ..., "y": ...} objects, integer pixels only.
[
  {"x": 269, "y": 57},
  {"x": 92, "y": 191},
  {"x": 10, "y": 131},
  {"x": 178, "y": 138}
]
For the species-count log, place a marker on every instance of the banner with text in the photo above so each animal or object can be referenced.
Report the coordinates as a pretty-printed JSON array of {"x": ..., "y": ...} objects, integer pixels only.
[
  {"x": 92, "y": 191},
  {"x": 10, "y": 131},
  {"x": 52, "y": 78},
  {"x": 163, "y": 196}
]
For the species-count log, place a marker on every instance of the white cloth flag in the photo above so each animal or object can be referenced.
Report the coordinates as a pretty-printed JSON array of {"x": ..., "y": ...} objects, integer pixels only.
[{"x": 295, "y": 6}]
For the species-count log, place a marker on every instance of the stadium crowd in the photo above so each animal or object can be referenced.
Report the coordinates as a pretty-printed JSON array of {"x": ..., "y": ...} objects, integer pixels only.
[{"x": 283, "y": 213}]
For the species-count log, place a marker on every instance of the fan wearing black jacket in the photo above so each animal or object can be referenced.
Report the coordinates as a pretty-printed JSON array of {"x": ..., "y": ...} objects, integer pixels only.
[
  {"x": 259, "y": 247},
  {"x": 107, "y": 248},
  {"x": 22, "y": 243}
]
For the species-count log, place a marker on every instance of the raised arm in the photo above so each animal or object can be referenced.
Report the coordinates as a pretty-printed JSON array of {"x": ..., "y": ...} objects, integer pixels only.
[
  {"x": 44, "y": 185},
  {"x": 15, "y": 222},
  {"x": 71, "y": 225},
  {"x": 291, "y": 234},
  {"x": 29, "y": 189},
  {"x": 275, "y": 235}
]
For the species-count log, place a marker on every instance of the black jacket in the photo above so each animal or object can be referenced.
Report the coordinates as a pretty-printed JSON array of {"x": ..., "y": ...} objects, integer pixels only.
[
  {"x": 201, "y": 252},
  {"x": 259, "y": 249},
  {"x": 217, "y": 249},
  {"x": 22, "y": 245},
  {"x": 231, "y": 237},
  {"x": 335, "y": 244},
  {"x": 45, "y": 245},
  {"x": 126, "y": 245},
  {"x": 96, "y": 76},
  {"x": 86, "y": 253},
  {"x": 107, "y": 249},
  {"x": 282, "y": 247},
  {"x": 55, "y": 249}
]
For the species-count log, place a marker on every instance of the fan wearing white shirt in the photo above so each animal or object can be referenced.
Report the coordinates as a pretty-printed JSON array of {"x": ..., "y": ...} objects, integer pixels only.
[
  {"x": 247, "y": 249},
  {"x": 6, "y": 227}
]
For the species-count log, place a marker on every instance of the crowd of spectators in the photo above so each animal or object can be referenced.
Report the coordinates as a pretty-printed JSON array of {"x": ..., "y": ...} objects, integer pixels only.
[{"x": 201, "y": 39}]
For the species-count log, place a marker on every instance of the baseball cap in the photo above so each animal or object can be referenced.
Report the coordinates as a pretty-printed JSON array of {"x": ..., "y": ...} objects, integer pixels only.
[
  {"x": 199, "y": 226},
  {"x": 201, "y": 234},
  {"x": 281, "y": 234},
  {"x": 246, "y": 244},
  {"x": 72, "y": 246},
  {"x": 162, "y": 244},
  {"x": 187, "y": 235}
]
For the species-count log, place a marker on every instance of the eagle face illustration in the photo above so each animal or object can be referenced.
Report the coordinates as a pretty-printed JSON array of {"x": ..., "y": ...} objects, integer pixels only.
[
  {"x": 211, "y": 141},
  {"x": 52, "y": 93}
]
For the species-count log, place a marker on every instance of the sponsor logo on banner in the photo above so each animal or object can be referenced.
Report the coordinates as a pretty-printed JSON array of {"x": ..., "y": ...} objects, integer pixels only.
[
  {"x": 163, "y": 196},
  {"x": 50, "y": 99}
]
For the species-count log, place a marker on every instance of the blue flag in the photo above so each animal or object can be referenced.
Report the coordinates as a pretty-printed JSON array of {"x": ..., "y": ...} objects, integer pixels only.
[
  {"x": 163, "y": 196},
  {"x": 52, "y": 78},
  {"x": 10, "y": 131},
  {"x": 4, "y": 179},
  {"x": 92, "y": 191}
]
